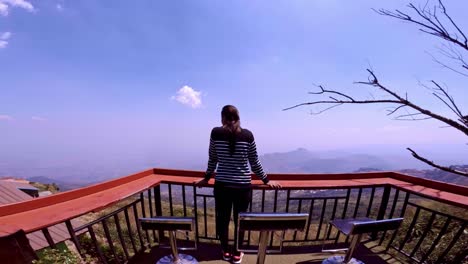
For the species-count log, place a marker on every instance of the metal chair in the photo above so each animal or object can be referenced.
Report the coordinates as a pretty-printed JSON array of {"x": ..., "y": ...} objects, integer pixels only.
[
  {"x": 171, "y": 224},
  {"x": 355, "y": 228},
  {"x": 267, "y": 222},
  {"x": 16, "y": 249}
]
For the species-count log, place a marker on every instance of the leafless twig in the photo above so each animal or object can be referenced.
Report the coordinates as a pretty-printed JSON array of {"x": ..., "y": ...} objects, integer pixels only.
[
  {"x": 430, "y": 23},
  {"x": 452, "y": 105},
  {"x": 445, "y": 65},
  {"x": 431, "y": 163}
]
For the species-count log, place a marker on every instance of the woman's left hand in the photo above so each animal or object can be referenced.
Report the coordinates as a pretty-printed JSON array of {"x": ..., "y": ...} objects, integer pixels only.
[
  {"x": 201, "y": 183},
  {"x": 274, "y": 185}
]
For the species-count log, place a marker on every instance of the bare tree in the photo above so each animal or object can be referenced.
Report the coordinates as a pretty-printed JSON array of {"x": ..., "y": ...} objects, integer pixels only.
[{"x": 433, "y": 20}]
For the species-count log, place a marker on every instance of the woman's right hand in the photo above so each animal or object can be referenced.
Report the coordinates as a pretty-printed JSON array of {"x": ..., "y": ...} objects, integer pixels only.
[
  {"x": 274, "y": 185},
  {"x": 201, "y": 183}
]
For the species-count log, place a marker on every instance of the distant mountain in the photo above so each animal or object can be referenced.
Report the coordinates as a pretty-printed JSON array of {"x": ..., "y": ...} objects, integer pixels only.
[
  {"x": 304, "y": 161},
  {"x": 432, "y": 174},
  {"x": 63, "y": 185},
  {"x": 439, "y": 175}
]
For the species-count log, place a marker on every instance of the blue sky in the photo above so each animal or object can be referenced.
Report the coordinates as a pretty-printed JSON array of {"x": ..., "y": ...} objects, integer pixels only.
[{"x": 90, "y": 78}]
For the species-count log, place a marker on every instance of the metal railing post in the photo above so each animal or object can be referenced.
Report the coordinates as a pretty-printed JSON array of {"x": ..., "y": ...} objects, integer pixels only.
[
  {"x": 158, "y": 207},
  {"x": 383, "y": 207}
]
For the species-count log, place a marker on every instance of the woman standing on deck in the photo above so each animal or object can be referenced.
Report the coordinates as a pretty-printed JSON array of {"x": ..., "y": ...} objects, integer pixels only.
[{"x": 232, "y": 149}]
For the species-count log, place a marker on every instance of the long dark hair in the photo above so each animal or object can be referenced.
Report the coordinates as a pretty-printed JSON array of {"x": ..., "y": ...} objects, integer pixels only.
[{"x": 231, "y": 122}]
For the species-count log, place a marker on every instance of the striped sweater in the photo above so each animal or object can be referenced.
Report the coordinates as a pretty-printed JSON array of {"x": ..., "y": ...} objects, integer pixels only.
[{"x": 233, "y": 170}]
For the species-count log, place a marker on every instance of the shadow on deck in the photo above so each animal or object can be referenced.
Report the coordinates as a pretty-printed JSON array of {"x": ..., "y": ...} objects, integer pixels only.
[{"x": 210, "y": 253}]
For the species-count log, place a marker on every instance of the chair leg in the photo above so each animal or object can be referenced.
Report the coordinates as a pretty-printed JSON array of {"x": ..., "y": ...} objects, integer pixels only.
[
  {"x": 175, "y": 257},
  {"x": 262, "y": 245},
  {"x": 172, "y": 239},
  {"x": 354, "y": 242}
]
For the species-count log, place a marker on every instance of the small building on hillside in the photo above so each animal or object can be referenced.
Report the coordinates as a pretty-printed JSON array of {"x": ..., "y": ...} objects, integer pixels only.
[{"x": 22, "y": 185}]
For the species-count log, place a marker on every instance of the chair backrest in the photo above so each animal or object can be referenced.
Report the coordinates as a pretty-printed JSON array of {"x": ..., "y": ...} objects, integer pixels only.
[
  {"x": 15, "y": 248},
  {"x": 169, "y": 223},
  {"x": 376, "y": 226},
  {"x": 272, "y": 221}
]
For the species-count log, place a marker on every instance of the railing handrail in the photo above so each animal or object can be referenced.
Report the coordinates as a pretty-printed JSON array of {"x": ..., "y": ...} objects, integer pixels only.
[
  {"x": 438, "y": 185},
  {"x": 70, "y": 195},
  {"x": 149, "y": 178}
]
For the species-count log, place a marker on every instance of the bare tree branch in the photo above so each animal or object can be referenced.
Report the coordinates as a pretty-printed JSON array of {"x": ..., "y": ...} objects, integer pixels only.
[
  {"x": 464, "y": 120},
  {"x": 374, "y": 82},
  {"x": 453, "y": 105},
  {"x": 396, "y": 109},
  {"x": 431, "y": 163},
  {"x": 450, "y": 51},
  {"x": 412, "y": 118},
  {"x": 330, "y": 91},
  {"x": 426, "y": 15},
  {"x": 432, "y": 20},
  {"x": 412, "y": 115},
  {"x": 427, "y": 23},
  {"x": 401, "y": 103},
  {"x": 326, "y": 109},
  {"x": 444, "y": 10},
  {"x": 446, "y": 66},
  {"x": 343, "y": 102}
]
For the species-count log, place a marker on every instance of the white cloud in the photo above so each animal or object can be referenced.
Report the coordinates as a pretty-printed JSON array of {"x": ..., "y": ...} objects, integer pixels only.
[
  {"x": 5, "y": 35},
  {"x": 4, "y": 39},
  {"x": 59, "y": 7},
  {"x": 5, "y": 117},
  {"x": 188, "y": 96},
  {"x": 38, "y": 118},
  {"x": 20, "y": 3},
  {"x": 5, "y": 6},
  {"x": 3, "y": 44},
  {"x": 3, "y": 9}
]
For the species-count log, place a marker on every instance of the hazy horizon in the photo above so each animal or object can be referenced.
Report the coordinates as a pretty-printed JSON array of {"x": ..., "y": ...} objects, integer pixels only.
[{"x": 98, "y": 166}]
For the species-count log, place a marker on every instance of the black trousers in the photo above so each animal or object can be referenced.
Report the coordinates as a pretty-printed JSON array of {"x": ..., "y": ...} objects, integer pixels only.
[{"x": 229, "y": 199}]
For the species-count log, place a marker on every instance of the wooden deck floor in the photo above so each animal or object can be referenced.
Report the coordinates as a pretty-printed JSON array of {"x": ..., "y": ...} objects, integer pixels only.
[{"x": 210, "y": 254}]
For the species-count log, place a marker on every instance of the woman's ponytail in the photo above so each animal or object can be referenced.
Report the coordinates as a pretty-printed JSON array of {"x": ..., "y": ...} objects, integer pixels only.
[{"x": 231, "y": 122}]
